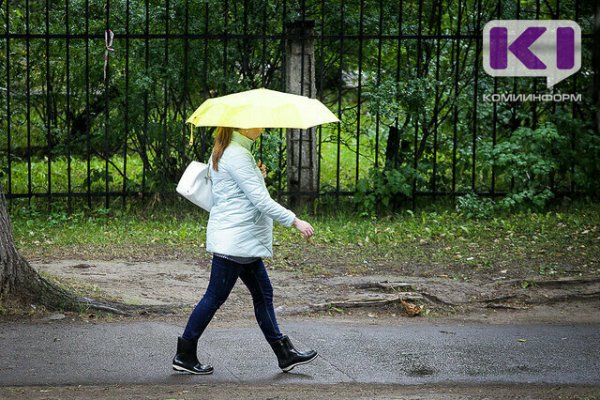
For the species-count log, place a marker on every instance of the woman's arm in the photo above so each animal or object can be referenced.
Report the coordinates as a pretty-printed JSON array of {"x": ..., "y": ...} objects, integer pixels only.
[{"x": 244, "y": 173}]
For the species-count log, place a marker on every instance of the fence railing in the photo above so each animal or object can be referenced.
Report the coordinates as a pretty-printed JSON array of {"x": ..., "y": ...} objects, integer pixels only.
[{"x": 84, "y": 115}]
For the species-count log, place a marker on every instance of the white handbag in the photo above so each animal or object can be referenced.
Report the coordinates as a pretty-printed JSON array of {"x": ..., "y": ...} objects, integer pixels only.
[{"x": 196, "y": 184}]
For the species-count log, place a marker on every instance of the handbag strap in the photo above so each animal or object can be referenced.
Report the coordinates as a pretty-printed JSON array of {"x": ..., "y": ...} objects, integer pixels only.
[{"x": 209, "y": 163}]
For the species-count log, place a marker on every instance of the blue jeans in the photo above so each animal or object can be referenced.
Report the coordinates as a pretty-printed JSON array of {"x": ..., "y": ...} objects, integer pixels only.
[{"x": 223, "y": 275}]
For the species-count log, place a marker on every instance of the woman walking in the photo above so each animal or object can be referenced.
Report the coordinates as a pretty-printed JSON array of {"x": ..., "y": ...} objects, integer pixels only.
[{"x": 239, "y": 234}]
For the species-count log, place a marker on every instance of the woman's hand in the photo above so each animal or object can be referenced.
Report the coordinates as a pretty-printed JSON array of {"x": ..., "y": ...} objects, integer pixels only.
[
  {"x": 304, "y": 227},
  {"x": 263, "y": 168}
]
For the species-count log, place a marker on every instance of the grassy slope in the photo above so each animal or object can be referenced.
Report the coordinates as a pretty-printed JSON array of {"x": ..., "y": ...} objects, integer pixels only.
[{"x": 425, "y": 243}]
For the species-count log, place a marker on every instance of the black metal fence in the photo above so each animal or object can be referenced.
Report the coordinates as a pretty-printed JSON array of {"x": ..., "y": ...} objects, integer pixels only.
[{"x": 85, "y": 115}]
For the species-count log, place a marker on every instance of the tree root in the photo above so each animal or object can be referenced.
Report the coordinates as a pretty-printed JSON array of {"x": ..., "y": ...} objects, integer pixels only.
[{"x": 32, "y": 288}]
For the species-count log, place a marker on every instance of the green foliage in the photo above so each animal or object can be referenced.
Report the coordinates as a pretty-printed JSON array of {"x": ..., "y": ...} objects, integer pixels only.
[
  {"x": 383, "y": 99},
  {"x": 581, "y": 150},
  {"x": 527, "y": 158},
  {"x": 425, "y": 88},
  {"x": 382, "y": 189},
  {"x": 532, "y": 160},
  {"x": 78, "y": 175},
  {"x": 267, "y": 149},
  {"x": 476, "y": 207}
]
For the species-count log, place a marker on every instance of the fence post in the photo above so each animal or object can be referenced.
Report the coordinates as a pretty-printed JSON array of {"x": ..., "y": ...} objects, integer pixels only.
[{"x": 302, "y": 162}]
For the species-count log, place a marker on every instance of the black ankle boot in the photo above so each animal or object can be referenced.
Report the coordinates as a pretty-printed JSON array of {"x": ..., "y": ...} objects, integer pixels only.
[
  {"x": 186, "y": 359},
  {"x": 288, "y": 356}
]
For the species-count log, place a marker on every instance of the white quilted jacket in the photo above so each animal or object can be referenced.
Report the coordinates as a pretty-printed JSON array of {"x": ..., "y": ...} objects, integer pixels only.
[{"x": 241, "y": 218}]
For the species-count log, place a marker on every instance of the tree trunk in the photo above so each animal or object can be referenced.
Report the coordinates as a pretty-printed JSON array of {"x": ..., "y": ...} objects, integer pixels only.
[{"x": 19, "y": 282}]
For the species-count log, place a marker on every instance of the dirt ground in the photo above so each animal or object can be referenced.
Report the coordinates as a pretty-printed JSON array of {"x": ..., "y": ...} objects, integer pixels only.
[{"x": 174, "y": 286}]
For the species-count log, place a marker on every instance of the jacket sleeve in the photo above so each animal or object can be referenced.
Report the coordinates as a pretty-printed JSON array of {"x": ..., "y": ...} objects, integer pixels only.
[{"x": 243, "y": 173}]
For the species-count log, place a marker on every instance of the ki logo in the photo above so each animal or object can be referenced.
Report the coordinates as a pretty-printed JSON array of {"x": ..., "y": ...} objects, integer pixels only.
[{"x": 550, "y": 48}]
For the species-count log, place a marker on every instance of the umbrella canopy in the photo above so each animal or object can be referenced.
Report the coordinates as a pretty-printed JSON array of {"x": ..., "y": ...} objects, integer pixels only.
[{"x": 262, "y": 108}]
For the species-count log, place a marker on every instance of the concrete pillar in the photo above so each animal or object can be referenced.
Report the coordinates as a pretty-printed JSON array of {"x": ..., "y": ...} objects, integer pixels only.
[{"x": 302, "y": 162}]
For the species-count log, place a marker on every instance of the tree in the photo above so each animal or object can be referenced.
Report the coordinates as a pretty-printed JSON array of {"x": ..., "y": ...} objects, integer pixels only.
[
  {"x": 20, "y": 283},
  {"x": 18, "y": 280}
]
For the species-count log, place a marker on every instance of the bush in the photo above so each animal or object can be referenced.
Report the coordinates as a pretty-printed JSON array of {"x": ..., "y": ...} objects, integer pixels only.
[
  {"x": 473, "y": 206},
  {"x": 382, "y": 189},
  {"x": 528, "y": 158}
]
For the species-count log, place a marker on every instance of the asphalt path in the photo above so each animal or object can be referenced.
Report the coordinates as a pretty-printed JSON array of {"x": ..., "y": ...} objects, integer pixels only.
[{"x": 68, "y": 353}]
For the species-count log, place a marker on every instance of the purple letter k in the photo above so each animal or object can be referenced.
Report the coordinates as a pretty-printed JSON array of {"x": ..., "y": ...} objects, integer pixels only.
[{"x": 520, "y": 47}]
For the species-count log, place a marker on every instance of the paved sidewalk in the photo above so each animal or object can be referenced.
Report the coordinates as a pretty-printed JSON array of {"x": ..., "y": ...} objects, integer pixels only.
[{"x": 66, "y": 353}]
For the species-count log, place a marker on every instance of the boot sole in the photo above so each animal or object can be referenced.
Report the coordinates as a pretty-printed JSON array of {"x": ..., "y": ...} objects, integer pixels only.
[
  {"x": 289, "y": 368},
  {"x": 181, "y": 369}
]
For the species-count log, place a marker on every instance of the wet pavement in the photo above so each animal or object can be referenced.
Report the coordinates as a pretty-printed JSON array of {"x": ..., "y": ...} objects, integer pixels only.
[{"x": 69, "y": 353}]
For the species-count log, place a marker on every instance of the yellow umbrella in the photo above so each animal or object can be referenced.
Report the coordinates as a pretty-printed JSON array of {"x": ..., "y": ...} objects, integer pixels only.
[{"x": 262, "y": 108}]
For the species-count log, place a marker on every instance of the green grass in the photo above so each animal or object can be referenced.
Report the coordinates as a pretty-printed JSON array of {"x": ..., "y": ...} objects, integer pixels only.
[
  {"x": 433, "y": 242},
  {"x": 79, "y": 172},
  {"x": 347, "y": 162}
]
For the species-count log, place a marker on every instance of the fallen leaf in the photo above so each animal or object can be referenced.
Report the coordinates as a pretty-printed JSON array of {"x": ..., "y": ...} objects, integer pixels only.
[{"x": 411, "y": 309}]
